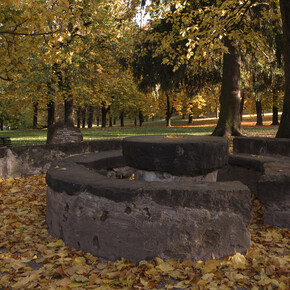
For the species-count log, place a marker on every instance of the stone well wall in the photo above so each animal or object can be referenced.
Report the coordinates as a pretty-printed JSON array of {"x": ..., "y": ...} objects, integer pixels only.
[{"x": 31, "y": 160}]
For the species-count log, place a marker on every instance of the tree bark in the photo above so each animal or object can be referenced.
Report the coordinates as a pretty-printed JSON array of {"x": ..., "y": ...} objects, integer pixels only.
[
  {"x": 50, "y": 113},
  {"x": 190, "y": 118},
  {"x": 79, "y": 117},
  {"x": 84, "y": 117},
  {"x": 229, "y": 123},
  {"x": 169, "y": 111},
  {"x": 35, "y": 114},
  {"x": 259, "y": 113},
  {"x": 141, "y": 118},
  {"x": 69, "y": 110},
  {"x": 91, "y": 116},
  {"x": 284, "y": 128},
  {"x": 275, "y": 119},
  {"x": 1, "y": 125},
  {"x": 104, "y": 114},
  {"x": 122, "y": 119}
]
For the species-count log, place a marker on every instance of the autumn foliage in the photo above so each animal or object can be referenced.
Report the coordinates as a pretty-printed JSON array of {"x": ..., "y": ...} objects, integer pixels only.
[{"x": 31, "y": 259}]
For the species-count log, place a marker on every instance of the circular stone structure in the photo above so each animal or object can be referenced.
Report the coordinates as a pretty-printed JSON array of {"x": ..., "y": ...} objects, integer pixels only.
[
  {"x": 137, "y": 220},
  {"x": 177, "y": 155}
]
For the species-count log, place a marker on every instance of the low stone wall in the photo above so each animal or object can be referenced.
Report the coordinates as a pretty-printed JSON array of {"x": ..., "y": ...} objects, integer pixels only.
[
  {"x": 262, "y": 146},
  {"x": 268, "y": 177},
  {"x": 113, "y": 218},
  {"x": 30, "y": 160}
]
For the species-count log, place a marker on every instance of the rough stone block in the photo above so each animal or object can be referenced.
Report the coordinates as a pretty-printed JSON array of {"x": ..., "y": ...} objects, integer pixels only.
[
  {"x": 184, "y": 155},
  {"x": 274, "y": 193},
  {"x": 262, "y": 146},
  {"x": 113, "y": 218}
]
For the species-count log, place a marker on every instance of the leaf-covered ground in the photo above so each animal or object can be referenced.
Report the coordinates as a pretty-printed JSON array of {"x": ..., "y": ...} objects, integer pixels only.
[{"x": 31, "y": 259}]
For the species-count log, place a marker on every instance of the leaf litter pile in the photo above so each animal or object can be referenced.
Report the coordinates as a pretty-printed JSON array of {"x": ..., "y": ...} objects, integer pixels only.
[{"x": 31, "y": 259}]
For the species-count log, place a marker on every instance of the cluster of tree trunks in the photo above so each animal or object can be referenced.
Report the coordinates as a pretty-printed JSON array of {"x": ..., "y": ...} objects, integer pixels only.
[{"x": 229, "y": 122}]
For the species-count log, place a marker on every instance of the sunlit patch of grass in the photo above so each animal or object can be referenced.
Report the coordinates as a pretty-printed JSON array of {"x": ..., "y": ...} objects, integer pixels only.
[{"x": 157, "y": 127}]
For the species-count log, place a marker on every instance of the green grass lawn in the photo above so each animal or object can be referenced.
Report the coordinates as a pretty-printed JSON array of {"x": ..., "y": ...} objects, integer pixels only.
[{"x": 35, "y": 137}]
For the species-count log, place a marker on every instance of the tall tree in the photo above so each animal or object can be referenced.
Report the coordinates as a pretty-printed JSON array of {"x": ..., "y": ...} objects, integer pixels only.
[
  {"x": 284, "y": 128},
  {"x": 229, "y": 120}
]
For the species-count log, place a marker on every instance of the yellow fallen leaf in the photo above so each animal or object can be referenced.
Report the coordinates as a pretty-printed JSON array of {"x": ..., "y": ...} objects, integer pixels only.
[
  {"x": 173, "y": 136},
  {"x": 208, "y": 277},
  {"x": 14, "y": 190},
  {"x": 21, "y": 283},
  {"x": 165, "y": 267},
  {"x": 239, "y": 261},
  {"x": 210, "y": 266}
]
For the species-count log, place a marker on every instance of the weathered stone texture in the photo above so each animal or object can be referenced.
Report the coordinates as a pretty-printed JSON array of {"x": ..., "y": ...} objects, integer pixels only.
[
  {"x": 274, "y": 193},
  {"x": 143, "y": 228},
  {"x": 268, "y": 177},
  {"x": 188, "y": 155},
  {"x": 63, "y": 133},
  {"x": 262, "y": 146},
  {"x": 114, "y": 218},
  {"x": 31, "y": 160}
]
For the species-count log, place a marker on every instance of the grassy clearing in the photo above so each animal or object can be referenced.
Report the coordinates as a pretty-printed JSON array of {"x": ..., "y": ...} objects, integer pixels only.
[{"x": 158, "y": 127}]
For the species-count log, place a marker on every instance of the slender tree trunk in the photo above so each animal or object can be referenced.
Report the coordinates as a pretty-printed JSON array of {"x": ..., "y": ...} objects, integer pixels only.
[
  {"x": 1, "y": 124},
  {"x": 190, "y": 118},
  {"x": 169, "y": 111},
  {"x": 35, "y": 114},
  {"x": 275, "y": 120},
  {"x": 84, "y": 117},
  {"x": 104, "y": 114},
  {"x": 90, "y": 116},
  {"x": 229, "y": 122},
  {"x": 110, "y": 121},
  {"x": 259, "y": 113},
  {"x": 284, "y": 128},
  {"x": 141, "y": 118},
  {"x": 50, "y": 113},
  {"x": 98, "y": 121},
  {"x": 122, "y": 119},
  {"x": 79, "y": 117},
  {"x": 69, "y": 110},
  {"x": 135, "y": 122}
]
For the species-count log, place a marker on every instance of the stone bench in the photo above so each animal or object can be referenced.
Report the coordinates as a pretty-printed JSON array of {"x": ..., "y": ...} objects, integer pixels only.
[
  {"x": 113, "y": 218},
  {"x": 267, "y": 174}
]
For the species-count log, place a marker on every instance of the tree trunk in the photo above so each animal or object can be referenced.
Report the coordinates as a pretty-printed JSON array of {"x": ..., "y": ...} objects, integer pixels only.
[
  {"x": 169, "y": 111},
  {"x": 50, "y": 113},
  {"x": 98, "y": 121},
  {"x": 104, "y": 114},
  {"x": 122, "y": 119},
  {"x": 135, "y": 122},
  {"x": 91, "y": 116},
  {"x": 141, "y": 118},
  {"x": 190, "y": 118},
  {"x": 1, "y": 124},
  {"x": 79, "y": 117},
  {"x": 68, "y": 110},
  {"x": 84, "y": 117},
  {"x": 35, "y": 114},
  {"x": 284, "y": 128},
  {"x": 229, "y": 123},
  {"x": 275, "y": 120},
  {"x": 259, "y": 113},
  {"x": 110, "y": 121}
]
